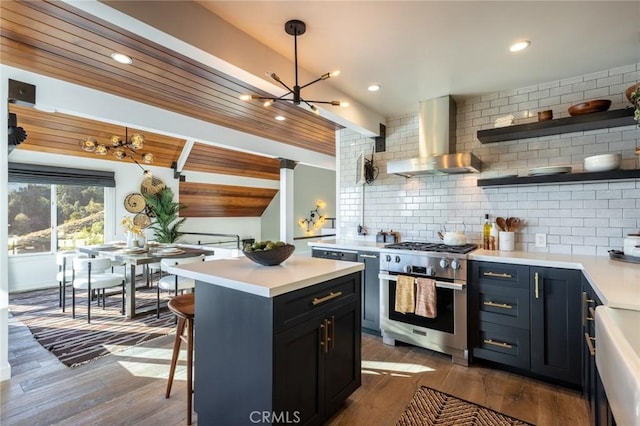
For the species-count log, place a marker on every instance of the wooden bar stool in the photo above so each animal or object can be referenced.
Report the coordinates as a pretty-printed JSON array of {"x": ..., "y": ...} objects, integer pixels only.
[{"x": 183, "y": 306}]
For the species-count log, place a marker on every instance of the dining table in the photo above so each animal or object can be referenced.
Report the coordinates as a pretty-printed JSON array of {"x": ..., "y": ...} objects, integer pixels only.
[{"x": 134, "y": 257}]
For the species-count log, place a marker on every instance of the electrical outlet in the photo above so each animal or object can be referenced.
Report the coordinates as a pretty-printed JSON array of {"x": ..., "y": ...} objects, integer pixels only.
[{"x": 541, "y": 240}]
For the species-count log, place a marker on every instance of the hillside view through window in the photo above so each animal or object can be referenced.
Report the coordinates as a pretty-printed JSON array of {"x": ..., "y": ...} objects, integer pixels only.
[{"x": 76, "y": 213}]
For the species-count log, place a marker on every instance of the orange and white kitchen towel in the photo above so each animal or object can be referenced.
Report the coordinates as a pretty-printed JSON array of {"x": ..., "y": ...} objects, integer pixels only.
[
  {"x": 405, "y": 294},
  {"x": 426, "y": 302}
]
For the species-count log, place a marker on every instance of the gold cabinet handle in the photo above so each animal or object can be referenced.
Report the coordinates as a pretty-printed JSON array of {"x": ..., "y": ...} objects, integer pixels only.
[
  {"x": 536, "y": 281},
  {"x": 324, "y": 336},
  {"x": 332, "y": 323},
  {"x": 326, "y": 298},
  {"x": 494, "y": 274},
  {"x": 499, "y": 344},
  {"x": 497, "y": 305},
  {"x": 586, "y": 301},
  {"x": 590, "y": 340}
]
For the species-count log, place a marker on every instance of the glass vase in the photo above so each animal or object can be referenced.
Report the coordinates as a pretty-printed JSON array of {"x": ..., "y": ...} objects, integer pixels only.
[{"x": 131, "y": 240}]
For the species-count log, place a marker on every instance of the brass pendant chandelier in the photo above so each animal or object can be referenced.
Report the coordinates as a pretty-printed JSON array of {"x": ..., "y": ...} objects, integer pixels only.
[
  {"x": 296, "y": 28},
  {"x": 121, "y": 149}
]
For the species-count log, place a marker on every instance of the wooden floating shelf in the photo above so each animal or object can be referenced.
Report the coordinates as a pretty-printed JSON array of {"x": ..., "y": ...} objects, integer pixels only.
[
  {"x": 561, "y": 178},
  {"x": 578, "y": 123}
]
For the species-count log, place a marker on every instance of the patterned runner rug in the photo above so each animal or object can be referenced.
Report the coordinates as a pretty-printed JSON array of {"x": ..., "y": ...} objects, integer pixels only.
[
  {"x": 430, "y": 407},
  {"x": 74, "y": 341}
]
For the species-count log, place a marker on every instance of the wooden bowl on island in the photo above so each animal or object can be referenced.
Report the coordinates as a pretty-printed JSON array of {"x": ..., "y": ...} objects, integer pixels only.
[{"x": 590, "y": 107}]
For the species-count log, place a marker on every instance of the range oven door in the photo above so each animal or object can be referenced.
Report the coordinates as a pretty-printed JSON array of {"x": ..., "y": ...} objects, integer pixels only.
[{"x": 446, "y": 333}]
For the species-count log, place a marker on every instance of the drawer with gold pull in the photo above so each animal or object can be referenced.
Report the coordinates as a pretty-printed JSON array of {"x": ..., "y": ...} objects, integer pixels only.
[
  {"x": 505, "y": 275},
  {"x": 502, "y": 344},
  {"x": 298, "y": 306},
  {"x": 500, "y": 305}
]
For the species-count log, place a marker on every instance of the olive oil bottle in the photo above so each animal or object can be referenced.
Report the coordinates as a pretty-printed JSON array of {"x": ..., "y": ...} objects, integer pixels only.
[{"x": 486, "y": 233}]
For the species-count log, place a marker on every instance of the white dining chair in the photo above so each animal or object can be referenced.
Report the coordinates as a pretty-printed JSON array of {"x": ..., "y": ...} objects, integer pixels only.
[
  {"x": 176, "y": 283},
  {"x": 65, "y": 273},
  {"x": 94, "y": 274}
]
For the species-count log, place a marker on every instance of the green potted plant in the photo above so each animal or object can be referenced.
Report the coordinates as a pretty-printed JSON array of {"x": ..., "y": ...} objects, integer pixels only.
[
  {"x": 165, "y": 213},
  {"x": 633, "y": 94}
]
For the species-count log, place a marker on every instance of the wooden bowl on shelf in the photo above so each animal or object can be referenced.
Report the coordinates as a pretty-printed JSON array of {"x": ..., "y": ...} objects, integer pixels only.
[
  {"x": 545, "y": 115},
  {"x": 590, "y": 107}
]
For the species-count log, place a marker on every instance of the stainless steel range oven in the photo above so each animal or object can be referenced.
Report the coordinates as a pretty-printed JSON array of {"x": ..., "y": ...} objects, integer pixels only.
[{"x": 447, "y": 265}]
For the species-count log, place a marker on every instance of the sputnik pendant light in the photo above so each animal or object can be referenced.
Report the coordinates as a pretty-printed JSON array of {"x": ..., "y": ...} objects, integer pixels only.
[
  {"x": 295, "y": 28},
  {"x": 122, "y": 149}
]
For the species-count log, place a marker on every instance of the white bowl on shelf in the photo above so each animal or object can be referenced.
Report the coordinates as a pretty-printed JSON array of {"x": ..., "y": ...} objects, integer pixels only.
[{"x": 602, "y": 163}]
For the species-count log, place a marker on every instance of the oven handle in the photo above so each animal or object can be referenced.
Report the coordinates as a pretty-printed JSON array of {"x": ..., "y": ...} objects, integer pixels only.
[{"x": 441, "y": 284}]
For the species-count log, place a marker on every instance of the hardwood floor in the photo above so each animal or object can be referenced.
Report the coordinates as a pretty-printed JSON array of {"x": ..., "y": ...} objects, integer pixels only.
[{"x": 128, "y": 387}]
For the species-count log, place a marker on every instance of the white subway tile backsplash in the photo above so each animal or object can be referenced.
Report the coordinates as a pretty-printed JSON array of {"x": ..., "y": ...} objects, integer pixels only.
[
  {"x": 580, "y": 218},
  {"x": 551, "y": 101},
  {"x": 585, "y": 85},
  {"x": 597, "y": 93},
  {"x": 571, "y": 81},
  {"x": 610, "y": 81},
  {"x": 572, "y": 97},
  {"x": 560, "y": 90},
  {"x": 597, "y": 75}
]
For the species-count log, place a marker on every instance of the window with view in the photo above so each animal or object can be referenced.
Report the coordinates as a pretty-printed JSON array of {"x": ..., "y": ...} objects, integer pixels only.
[{"x": 61, "y": 216}]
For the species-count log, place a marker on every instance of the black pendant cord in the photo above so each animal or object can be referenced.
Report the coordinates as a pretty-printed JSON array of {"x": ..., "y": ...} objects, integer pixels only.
[{"x": 295, "y": 55}]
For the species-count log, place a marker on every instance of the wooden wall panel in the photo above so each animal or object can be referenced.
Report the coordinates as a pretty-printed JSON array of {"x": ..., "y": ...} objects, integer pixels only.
[
  {"x": 58, "y": 40},
  {"x": 209, "y": 200},
  {"x": 212, "y": 159}
]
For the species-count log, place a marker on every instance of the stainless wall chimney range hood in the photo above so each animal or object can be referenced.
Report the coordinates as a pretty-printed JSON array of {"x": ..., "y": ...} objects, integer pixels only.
[{"x": 436, "y": 143}]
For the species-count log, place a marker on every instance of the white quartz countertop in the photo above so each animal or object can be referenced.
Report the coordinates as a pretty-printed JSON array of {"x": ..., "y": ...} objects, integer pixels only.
[{"x": 268, "y": 281}]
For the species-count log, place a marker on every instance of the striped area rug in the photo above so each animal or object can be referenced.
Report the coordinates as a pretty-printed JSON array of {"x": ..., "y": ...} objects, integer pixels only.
[
  {"x": 73, "y": 341},
  {"x": 431, "y": 407}
]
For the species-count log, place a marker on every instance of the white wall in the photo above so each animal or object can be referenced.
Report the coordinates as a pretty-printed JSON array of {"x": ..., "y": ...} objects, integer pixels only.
[
  {"x": 579, "y": 218},
  {"x": 270, "y": 221},
  {"x": 310, "y": 184}
]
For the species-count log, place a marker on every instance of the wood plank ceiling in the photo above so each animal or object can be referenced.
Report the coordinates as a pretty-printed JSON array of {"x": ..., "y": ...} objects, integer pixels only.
[
  {"x": 61, "y": 133},
  {"x": 55, "y": 39}
]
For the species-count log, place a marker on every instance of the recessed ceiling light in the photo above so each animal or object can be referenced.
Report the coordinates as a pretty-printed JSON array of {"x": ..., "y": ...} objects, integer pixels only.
[
  {"x": 520, "y": 45},
  {"x": 122, "y": 58},
  {"x": 374, "y": 88},
  {"x": 280, "y": 118}
]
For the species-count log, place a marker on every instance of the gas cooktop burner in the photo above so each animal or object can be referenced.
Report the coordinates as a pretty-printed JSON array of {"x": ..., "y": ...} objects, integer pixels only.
[{"x": 433, "y": 247}]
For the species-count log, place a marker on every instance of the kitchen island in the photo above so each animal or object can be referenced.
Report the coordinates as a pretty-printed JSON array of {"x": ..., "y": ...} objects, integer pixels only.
[{"x": 274, "y": 344}]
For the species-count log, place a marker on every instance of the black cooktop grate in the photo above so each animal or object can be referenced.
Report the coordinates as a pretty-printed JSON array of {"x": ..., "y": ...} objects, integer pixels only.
[{"x": 433, "y": 247}]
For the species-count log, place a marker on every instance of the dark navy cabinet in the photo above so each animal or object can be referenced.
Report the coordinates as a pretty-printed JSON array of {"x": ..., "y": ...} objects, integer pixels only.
[
  {"x": 370, "y": 291},
  {"x": 555, "y": 324},
  {"x": 527, "y": 318},
  {"x": 293, "y": 358}
]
